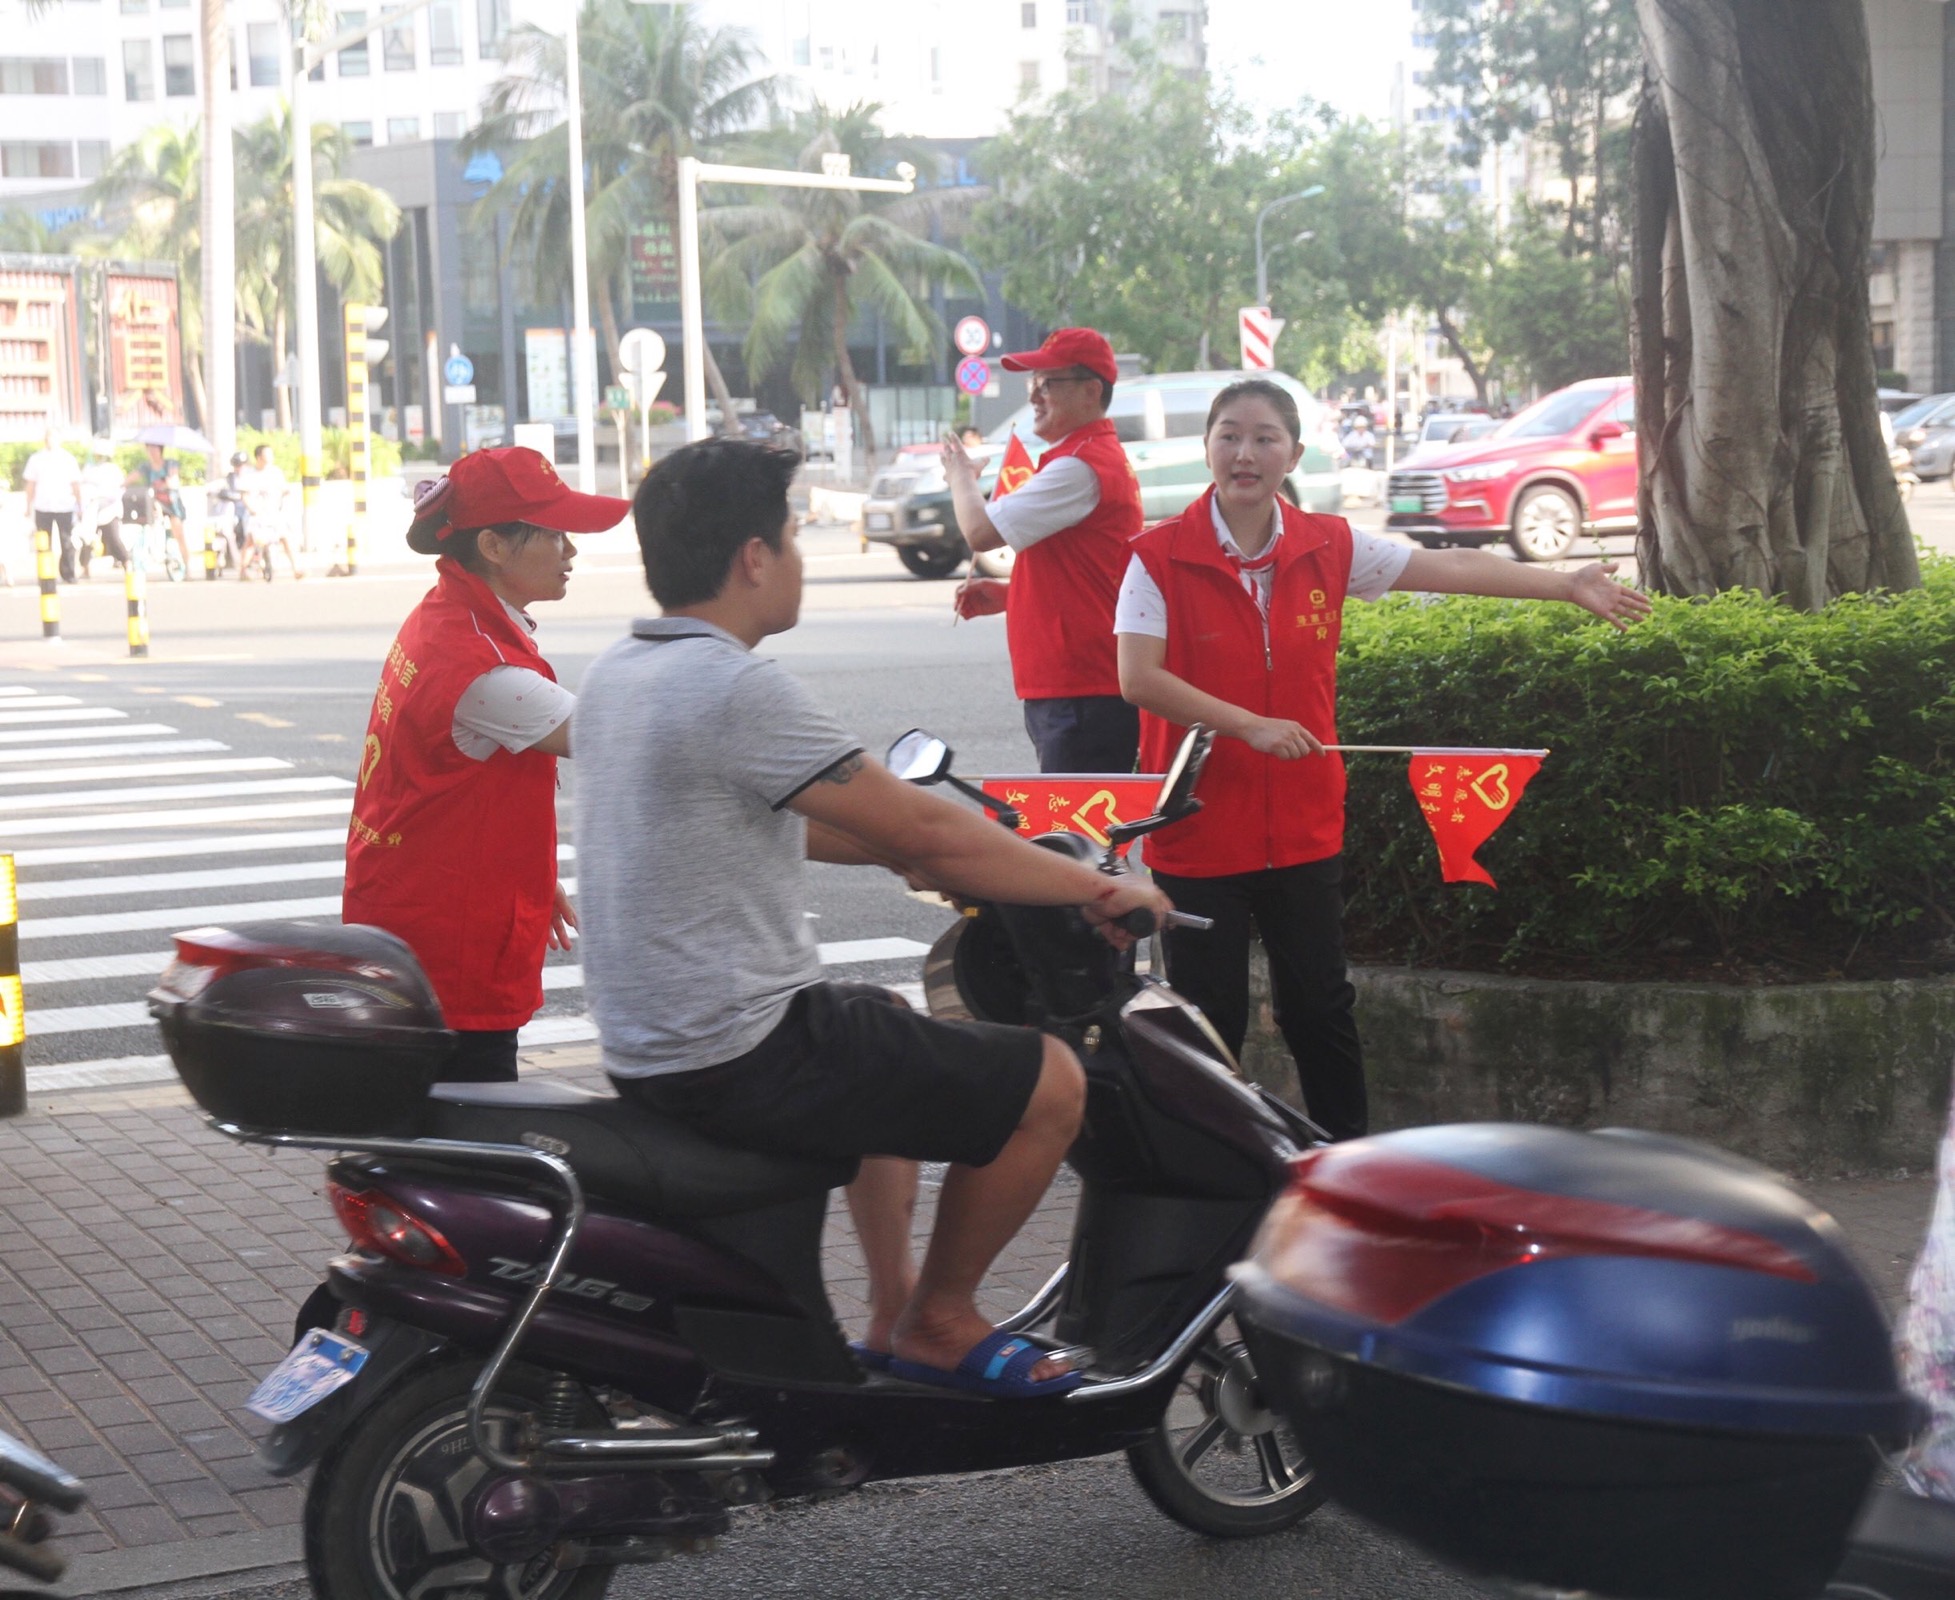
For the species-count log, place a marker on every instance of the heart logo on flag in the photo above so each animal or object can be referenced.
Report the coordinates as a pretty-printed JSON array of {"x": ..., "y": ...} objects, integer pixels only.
[
  {"x": 1495, "y": 778},
  {"x": 1090, "y": 804}
]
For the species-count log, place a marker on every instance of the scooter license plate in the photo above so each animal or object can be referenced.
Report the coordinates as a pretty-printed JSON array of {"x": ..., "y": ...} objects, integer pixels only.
[{"x": 317, "y": 1365}]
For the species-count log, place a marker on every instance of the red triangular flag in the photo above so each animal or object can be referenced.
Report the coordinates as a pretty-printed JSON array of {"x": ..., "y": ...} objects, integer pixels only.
[
  {"x": 1466, "y": 795},
  {"x": 1014, "y": 469},
  {"x": 1090, "y": 803}
]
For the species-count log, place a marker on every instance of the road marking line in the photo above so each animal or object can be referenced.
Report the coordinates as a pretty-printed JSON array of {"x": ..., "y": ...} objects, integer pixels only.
[
  {"x": 13, "y": 691},
  {"x": 112, "y": 1073},
  {"x": 38, "y": 699},
  {"x": 128, "y": 731},
  {"x": 35, "y": 929},
  {"x": 69, "y": 799},
  {"x": 230, "y": 844},
  {"x": 332, "y": 738},
  {"x": 78, "y": 714},
  {"x": 195, "y": 817},
  {"x": 84, "y": 1019},
  {"x": 87, "y": 752},
  {"x": 205, "y": 878},
  {"x": 265, "y": 719},
  {"x": 200, "y": 701},
  {"x": 148, "y": 769}
]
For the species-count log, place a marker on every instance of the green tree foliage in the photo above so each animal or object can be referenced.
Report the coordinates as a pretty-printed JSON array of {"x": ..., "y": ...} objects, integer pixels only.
[
  {"x": 799, "y": 265},
  {"x": 1555, "y": 315},
  {"x": 1737, "y": 788}
]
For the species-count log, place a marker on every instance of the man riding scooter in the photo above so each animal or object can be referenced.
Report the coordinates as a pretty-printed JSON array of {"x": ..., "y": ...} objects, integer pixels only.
[{"x": 709, "y": 777}]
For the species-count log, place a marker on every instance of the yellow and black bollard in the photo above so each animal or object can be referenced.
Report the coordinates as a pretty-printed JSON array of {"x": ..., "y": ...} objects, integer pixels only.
[
  {"x": 45, "y": 571},
  {"x": 210, "y": 549},
  {"x": 358, "y": 324},
  {"x": 135, "y": 588},
  {"x": 13, "y": 1004}
]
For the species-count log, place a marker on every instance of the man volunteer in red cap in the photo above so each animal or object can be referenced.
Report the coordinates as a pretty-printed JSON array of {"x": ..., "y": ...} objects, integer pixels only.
[
  {"x": 1069, "y": 524},
  {"x": 453, "y": 843}
]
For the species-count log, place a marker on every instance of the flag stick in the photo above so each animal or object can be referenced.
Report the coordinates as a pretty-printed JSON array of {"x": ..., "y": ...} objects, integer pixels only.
[{"x": 1426, "y": 750}]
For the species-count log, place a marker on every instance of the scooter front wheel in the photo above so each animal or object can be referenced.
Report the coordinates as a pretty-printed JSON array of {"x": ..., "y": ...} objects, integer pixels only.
[
  {"x": 1221, "y": 1462},
  {"x": 383, "y": 1518}
]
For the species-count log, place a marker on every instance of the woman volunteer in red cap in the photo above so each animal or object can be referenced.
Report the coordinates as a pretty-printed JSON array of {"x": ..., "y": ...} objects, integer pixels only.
[
  {"x": 453, "y": 843},
  {"x": 1230, "y": 615}
]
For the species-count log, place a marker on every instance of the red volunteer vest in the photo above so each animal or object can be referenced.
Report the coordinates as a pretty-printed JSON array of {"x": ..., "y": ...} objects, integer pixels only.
[
  {"x": 1059, "y": 609},
  {"x": 1257, "y": 812},
  {"x": 456, "y": 856}
]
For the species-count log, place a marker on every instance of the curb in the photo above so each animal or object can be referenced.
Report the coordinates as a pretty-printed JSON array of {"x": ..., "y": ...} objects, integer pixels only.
[{"x": 148, "y": 1566}]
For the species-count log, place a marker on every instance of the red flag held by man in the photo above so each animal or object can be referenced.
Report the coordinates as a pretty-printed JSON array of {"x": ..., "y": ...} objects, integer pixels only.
[
  {"x": 978, "y": 596},
  {"x": 1014, "y": 469},
  {"x": 1090, "y": 803},
  {"x": 1466, "y": 795}
]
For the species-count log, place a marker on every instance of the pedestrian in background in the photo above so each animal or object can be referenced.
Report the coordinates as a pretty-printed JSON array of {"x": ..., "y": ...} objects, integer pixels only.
[
  {"x": 453, "y": 841},
  {"x": 52, "y": 478},
  {"x": 1068, "y": 525},
  {"x": 101, "y": 494},
  {"x": 1230, "y": 615},
  {"x": 162, "y": 481}
]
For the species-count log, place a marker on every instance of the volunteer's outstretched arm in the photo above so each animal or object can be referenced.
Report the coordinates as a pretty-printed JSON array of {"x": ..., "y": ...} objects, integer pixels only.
[{"x": 1476, "y": 572}]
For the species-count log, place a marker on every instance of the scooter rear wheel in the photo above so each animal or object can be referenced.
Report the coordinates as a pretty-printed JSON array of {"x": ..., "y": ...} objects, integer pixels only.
[
  {"x": 1221, "y": 1462},
  {"x": 383, "y": 1516}
]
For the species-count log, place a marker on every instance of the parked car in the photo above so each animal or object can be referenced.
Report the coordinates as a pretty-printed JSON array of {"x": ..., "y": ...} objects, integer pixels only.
[
  {"x": 1451, "y": 427},
  {"x": 1564, "y": 465},
  {"x": 767, "y": 428},
  {"x": 1926, "y": 430},
  {"x": 1159, "y": 419}
]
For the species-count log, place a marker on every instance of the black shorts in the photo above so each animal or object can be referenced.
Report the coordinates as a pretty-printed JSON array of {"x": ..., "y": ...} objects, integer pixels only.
[{"x": 852, "y": 1071}]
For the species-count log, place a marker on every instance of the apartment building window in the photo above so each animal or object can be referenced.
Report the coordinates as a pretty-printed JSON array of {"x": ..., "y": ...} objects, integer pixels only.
[
  {"x": 1028, "y": 14},
  {"x": 445, "y": 33},
  {"x": 1079, "y": 13},
  {"x": 135, "y": 8},
  {"x": 492, "y": 23},
  {"x": 179, "y": 65},
  {"x": 91, "y": 75},
  {"x": 1028, "y": 76},
  {"x": 26, "y": 158},
  {"x": 403, "y": 130},
  {"x": 91, "y": 156},
  {"x": 353, "y": 60},
  {"x": 447, "y": 124},
  {"x": 358, "y": 134},
  {"x": 138, "y": 70},
  {"x": 936, "y": 67},
  {"x": 33, "y": 75},
  {"x": 397, "y": 47},
  {"x": 1176, "y": 26},
  {"x": 262, "y": 45}
]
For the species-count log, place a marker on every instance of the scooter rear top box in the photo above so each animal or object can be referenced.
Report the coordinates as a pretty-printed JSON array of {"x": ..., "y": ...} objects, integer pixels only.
[
  {"x": 288, "y": 1027},
  {"x": 1614, "y": 1361}
]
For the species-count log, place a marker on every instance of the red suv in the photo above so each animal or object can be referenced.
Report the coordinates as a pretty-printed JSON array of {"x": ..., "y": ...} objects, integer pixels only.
[{"x": 1565, "y": 464}]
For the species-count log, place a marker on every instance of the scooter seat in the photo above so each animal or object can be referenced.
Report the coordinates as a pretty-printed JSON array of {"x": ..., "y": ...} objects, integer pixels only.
[{"x": 625, "y": 1153}]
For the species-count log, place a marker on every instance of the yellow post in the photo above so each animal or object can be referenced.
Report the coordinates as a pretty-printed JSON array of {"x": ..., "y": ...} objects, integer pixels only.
[
  {"x": 134, "y": 592},
  {"x": 44, "y": 570},
  {"x": 356, "y": 429},
  {"x": 13, "y": 1004},
  {"x": 308, "y": 496},
  {"x": 210, "y": 549}
]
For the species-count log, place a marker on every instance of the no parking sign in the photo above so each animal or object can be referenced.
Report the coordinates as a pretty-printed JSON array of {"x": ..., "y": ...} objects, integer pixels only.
[{"x": 973, "y": 373}]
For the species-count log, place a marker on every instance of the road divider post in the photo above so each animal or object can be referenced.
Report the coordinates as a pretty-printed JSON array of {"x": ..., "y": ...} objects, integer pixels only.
[
  {"x": 135, "y": 594},
  {"x": 13, "y": 1004},
  {"x": 44, "y": 573}
]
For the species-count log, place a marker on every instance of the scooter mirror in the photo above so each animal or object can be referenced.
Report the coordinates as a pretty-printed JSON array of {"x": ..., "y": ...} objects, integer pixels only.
[
  {"x": 1177, "y": 797},
  {"x": 919, "y": 757}
]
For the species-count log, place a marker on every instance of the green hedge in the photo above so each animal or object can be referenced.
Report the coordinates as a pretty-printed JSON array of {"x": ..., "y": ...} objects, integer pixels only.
[{"x": 1737, "y": 789}]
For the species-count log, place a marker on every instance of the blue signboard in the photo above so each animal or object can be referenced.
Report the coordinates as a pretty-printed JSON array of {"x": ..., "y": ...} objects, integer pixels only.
[{"x": 458, "y": 370}]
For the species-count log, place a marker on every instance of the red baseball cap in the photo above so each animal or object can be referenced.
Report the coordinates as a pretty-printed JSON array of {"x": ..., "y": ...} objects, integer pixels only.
[
  {"x": 486, "y": 487},
  {"x": 1069, "y": 347}
]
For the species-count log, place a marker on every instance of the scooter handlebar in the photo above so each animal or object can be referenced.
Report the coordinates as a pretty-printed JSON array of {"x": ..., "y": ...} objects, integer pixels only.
[{"x": 1140, "y": 922}]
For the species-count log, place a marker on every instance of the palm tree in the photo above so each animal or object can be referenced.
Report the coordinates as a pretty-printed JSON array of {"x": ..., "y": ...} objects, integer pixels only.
[
  {"x": 154, "y": 187},
  {"x": 658, "y": 84},
  {"x": 350, "y": 218},
  {"x": 803, "y": 263}
]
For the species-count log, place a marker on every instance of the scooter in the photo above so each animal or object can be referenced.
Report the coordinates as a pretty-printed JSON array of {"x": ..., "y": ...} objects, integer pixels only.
[
  {"x": 568, "y": 1334},
  {"x": 32, "y": 1487}
]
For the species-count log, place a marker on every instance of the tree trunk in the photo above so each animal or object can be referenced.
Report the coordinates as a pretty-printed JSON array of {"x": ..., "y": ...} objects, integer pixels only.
[
  {"x": 607, "y": 320},
  {"x": 1449, "y": 331},
  {"x": 716, "y": 381},
  {"x": 219, "y": 238},
  {"x": 865, "y": 430},
  {"x": 1762, "y": 463}
]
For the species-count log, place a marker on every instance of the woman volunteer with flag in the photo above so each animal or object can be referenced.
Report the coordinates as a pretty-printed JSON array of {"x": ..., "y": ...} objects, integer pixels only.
[{"x": 1230, "y": 615}]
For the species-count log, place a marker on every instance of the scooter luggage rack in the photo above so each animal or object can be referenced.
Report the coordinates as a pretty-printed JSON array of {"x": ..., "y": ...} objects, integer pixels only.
[{"x": 697, "y": 1450}]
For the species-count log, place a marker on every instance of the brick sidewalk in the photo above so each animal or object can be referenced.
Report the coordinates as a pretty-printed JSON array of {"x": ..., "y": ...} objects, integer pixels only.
[{"x": 149, "y": 1271}]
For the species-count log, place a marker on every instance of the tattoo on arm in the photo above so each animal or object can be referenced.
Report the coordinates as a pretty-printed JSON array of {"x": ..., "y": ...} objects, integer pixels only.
[{"x": 843, "y": 770}]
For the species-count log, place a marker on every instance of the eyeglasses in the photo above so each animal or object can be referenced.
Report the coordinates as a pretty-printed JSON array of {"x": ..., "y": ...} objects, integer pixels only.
[{"x": 1040, "y": 383}]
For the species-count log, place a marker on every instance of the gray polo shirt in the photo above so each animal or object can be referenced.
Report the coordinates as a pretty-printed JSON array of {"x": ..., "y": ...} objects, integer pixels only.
[{"x": 691, "y": 873}]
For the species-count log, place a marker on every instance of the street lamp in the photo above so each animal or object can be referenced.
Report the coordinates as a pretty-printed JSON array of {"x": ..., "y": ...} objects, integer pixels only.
[
  {"x": 1262, "y": 260},
  {"x": 692, "y": 315},
  {"x": 584, "y": 361}
]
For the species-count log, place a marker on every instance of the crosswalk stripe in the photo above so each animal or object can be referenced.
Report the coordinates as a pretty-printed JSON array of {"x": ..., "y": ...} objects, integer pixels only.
[
  {"x": 129, "y": 730},
  {"x": 166, "y": 792},
  {"x": 77, "y": 969},
  {"x": 190, "y": 817},
  {"x": 14, "y": 691},
  {"x": 148, "y": 769},
  {"x": 230, "y": 844},
  {"x": 102, "y": 752},
  {"x": 82, "y": 1019},
  {"x": 32, "y": 700},
  {"x": 34, "y": 929},
  {"x": 205, "y": 878},
  {"x": 77, "y": 713}
]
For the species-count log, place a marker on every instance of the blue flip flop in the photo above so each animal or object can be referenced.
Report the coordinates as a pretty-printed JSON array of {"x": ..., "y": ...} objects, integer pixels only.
[
  {"x": 874, "y": 1360},
  {"x": 995, "y": 1368}
]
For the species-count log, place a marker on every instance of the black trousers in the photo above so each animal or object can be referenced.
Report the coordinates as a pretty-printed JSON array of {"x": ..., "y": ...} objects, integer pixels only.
[
  {"x": 482, "y": 1055},
  {"x": 61, "y": 524},
  {"x": 1084, "y": 733},
  {"x": 1299, "y": 913}
]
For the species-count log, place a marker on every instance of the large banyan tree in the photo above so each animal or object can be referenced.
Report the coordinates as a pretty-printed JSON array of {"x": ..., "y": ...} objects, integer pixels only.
[{"x": 1763, "y": 465}]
